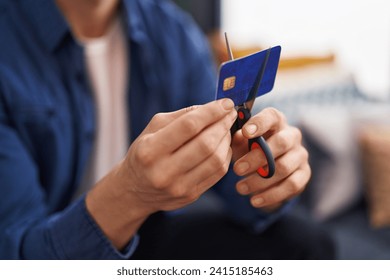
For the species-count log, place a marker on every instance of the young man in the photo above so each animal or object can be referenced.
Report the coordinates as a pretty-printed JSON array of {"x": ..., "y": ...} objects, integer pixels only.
[{"x": 84, "y": 81}]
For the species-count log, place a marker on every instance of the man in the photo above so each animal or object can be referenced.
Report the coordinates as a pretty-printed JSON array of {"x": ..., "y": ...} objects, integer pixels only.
[{"x": 77, "y": 77}]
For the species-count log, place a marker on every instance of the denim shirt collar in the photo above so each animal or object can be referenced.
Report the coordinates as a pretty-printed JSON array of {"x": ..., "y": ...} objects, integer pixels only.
[
  {"x": 52, "y": 27},
  {"x": 48, "y": 21}
]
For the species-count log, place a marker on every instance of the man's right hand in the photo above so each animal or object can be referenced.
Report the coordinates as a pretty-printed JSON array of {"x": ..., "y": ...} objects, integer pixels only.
[
  {"x": 176, "y": 159},
  {"x": 180, "y": 155}
]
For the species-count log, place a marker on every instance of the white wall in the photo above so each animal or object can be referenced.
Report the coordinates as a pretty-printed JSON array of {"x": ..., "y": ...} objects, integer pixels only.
[{"x": 357, "y": 31}]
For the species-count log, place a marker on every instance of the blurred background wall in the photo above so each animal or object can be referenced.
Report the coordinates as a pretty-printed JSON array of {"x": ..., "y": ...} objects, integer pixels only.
[{"x": 356, "y": 31}]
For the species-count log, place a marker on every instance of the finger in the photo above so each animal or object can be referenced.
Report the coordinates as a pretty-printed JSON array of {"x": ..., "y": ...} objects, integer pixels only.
[
  {"x": 239, "y": 145},
  {"x": 279, "y": 143},
  {"x": 161, "y": 120},
  {"x": 185, "y": 196},
  {"x": 171, "y": 176},
  {"x": 272, "y": 207},
  {"x": 210, "y": 171},
  {"x": 205, "y": 144},
  {"x": 285, "y": 166},
  {"x": 250, "y": 162},
  {"x": 287, "y": 189},
  {"x": 267, "y": 120},
  {"x": 187, "y": 126},
  {"x": 215, "y": 176}
]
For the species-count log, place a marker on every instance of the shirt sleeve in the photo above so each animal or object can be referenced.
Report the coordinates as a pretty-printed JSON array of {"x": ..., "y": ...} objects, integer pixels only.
[
  {"x": 73, "y": 234},
  {"x": 28, "y": 228}
]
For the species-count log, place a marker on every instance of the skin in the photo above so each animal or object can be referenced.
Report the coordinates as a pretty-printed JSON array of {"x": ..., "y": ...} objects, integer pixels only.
[
  {"x": 291, "y": 160},
  {"x": 161, "y": 172}
]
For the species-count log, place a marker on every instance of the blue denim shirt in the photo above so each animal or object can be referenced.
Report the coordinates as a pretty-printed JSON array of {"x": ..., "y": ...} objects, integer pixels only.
[{"x": 47, "y": 120}]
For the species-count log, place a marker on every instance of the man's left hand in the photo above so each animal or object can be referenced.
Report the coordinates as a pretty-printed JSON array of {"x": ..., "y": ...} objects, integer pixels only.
[{"x": 291, "y": 160}]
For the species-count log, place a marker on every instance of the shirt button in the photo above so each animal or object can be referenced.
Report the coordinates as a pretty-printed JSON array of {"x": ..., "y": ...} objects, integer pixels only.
[
  {"x": 80, "y": 77},
  {"x": 90, "y": 135},
  {"x": 50, "y": 112}
]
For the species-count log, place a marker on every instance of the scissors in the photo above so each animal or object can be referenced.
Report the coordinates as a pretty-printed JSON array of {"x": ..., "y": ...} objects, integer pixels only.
[{"x": 244, "y": 114}]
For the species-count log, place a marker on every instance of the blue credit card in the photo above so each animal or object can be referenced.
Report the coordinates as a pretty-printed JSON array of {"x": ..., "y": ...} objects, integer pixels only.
[{"x": 237, "y": 77}]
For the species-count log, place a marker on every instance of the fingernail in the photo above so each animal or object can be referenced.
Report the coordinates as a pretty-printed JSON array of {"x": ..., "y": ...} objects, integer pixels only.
[
  {"x": 227, "y": 104},
  {"x": 242, "y": 167},
  {"x": 258, "y": 201},
  {"x": 251, "y": 128},
  {"x": 243, "y": 188}
]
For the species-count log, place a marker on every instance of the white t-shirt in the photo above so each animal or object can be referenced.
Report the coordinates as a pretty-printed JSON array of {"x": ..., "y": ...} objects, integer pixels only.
[{"x": 106, "y": 60}]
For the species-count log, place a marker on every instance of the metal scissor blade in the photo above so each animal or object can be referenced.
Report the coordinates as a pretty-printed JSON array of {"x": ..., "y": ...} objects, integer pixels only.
[
  {"x": 253, "y": 92},
  {"x": 229, "y": 50}
]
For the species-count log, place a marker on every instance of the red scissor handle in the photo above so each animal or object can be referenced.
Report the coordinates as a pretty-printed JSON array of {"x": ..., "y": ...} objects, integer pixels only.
[{"x": 259, "y": 143}]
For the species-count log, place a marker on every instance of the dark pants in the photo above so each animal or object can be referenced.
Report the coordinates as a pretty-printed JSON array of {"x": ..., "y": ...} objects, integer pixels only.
[{"x": 215, "y": 237}]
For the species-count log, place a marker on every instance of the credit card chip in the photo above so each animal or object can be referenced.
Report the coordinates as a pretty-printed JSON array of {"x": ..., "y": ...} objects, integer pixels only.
[{"x": 229, "y": 83}]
